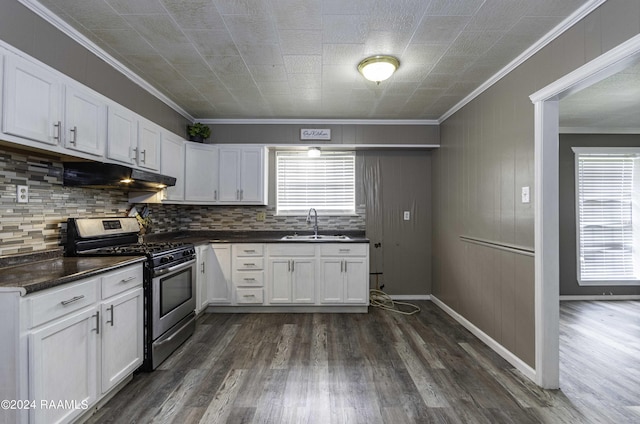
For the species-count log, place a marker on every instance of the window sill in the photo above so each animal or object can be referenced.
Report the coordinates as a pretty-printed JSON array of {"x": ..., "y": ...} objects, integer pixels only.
[{"x": 609, "y": 283}]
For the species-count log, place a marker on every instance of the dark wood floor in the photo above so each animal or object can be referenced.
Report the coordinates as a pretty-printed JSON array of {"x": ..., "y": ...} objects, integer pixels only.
[
  {"x": 600, "y": 358},
  {"x": 350, "y": 368}
]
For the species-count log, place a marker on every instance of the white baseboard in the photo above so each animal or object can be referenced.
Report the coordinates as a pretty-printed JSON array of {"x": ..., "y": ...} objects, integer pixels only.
[
  {"x": 410, "y": 297},
  {"x": 518, "y": 363},
  {"x": 601, "y": 297}
]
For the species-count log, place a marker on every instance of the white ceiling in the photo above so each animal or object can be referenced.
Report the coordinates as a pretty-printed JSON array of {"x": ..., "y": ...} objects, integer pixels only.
[
  {"x": 262, "y": 59},
  {"x": 609, "y": 106}
]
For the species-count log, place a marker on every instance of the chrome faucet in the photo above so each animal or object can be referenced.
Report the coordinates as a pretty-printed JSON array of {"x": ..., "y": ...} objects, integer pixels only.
[{"x": 315, "y": 225}]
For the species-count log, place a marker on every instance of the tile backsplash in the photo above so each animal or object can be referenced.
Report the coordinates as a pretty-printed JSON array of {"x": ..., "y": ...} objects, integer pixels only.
[{"x": 40, "y": 223}]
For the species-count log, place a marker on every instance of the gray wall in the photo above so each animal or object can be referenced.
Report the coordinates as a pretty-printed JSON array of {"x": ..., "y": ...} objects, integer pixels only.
[
  {"x": 34, "y": 36},
  {"x": 486, "y": 155},
  {"x": 568, "y": 268},
  {"x": 285, "y": 134}
]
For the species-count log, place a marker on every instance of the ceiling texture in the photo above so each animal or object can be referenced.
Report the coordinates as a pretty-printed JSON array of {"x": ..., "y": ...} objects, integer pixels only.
[{"x": 297, "y": 59}]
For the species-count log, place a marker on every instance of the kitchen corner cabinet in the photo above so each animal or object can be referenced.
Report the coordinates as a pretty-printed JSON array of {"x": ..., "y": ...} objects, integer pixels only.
[
  {"x": 172, "y": 164},
  {"x": 344, "y": 271},
  {"x": 219, "y": 290},
  {"x": 242, "y": 175},
  {"x": 292, "y": 270},
  {"x": 201, "y": 173},
  {"x": 71, "y": 343}
]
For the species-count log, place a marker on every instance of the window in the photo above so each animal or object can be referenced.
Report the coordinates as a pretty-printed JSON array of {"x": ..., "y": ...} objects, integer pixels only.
[
  {"x": 326, "y": 183},
  {"x": 608, "y": 216}
]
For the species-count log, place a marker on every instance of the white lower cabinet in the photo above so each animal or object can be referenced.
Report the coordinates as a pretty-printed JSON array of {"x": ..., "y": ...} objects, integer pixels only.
[
  {"x": 75, "y": 343},
  {"x": 122, "y": 337},
  {"x": 292, "y": 274},
  {"x": 219, "y": 290},
  {"x": 289, "y": 275},
  {"x": 344, "y": 271},
  {"x": 63, "y": 366}
]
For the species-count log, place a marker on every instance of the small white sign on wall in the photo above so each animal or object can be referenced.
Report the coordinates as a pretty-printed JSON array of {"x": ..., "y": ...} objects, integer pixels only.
[{"x": 315, "y": 134}]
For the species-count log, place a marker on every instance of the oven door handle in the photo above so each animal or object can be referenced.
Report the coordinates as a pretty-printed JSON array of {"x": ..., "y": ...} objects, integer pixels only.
[
  {"x": 175, "y": 268},
  {"x": 174, "y": 334}
]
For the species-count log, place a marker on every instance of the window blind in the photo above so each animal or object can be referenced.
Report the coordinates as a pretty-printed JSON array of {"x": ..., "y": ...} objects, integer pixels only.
[
  {"x": 605, "y": 192},
  {"x": 326, "y": 183}
]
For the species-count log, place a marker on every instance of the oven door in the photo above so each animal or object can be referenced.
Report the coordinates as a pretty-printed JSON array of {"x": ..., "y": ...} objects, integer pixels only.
[{"x": 173, "y": 294}]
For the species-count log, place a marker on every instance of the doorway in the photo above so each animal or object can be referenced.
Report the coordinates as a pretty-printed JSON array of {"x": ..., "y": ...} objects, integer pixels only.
[{"x": 546, "y": 101}]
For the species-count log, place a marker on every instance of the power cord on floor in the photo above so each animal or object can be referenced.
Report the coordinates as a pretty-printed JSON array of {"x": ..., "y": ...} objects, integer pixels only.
[{"x": 379, "y": 299}]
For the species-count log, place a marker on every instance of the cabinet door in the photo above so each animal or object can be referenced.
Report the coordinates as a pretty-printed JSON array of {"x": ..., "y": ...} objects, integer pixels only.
[
  {"x": 85, "y": 122},
  {"x": 356, "y": 280},
  {"x": 331, "y": 284},
  {"x": 203, "y": 258},
  {"x": 63, "y": 364},
  {"x": 122, "y": 135},
  {"x": 172, "y": 164},
  {"x": 303, "y": 280},
  {"x": 229, "y": 175},
  {"x": 122, "y": 337},
  {"x": 201, "y": 174},
  {"x": 32, "y": 102},
  {"x": 149, "y": 140},
  {"x": 252, "y": 175},
  {"x": 219, "y": 290},
  {"x": 280, "y": 280}
]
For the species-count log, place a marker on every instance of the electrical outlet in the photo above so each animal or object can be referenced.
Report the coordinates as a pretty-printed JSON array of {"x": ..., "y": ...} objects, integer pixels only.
[
  {"x": 407, "y": 215},
  {"x": 261, "y": 216},
  {"x": 525, "y": 195},
  {"x": 22, "y": 194}
]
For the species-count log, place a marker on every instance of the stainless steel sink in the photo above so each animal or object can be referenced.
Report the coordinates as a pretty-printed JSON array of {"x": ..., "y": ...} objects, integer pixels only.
[{"x": 315, "y": 238}]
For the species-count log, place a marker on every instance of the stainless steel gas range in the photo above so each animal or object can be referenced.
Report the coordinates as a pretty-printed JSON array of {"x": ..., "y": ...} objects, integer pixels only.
[{"x": 169, "y": 278}]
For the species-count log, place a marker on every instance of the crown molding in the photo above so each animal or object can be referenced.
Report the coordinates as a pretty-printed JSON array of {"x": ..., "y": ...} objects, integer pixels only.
[
  {"x": 598, "y": 130},
  {"x": 320, "y": 121},
  {"x": 563, "y": 26},
  {"x": 79, "y": 38}
]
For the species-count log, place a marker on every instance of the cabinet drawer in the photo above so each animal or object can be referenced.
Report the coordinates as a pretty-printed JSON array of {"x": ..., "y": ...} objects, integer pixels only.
[
  {"x": 248, "y": 264},
  {"x": 294, "y": 249},
  {"x": 251, "y": 279},
  {"x": 344, "y": 249},
  {"x": 121, "y": 280},
  {"x": 54, "y": 303},
  {"x": 248, "y": 249},
  {"x": 250, "y": 296}
]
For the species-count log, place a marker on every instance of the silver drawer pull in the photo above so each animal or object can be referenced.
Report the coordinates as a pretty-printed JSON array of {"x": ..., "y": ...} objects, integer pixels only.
[
  {"x": 126, "y": 280},
  {"x": 251, "y": 264},
  {"x": 345, "y": 250},
  {"x": 249, "y": 279},
  {"x": 248, "y": 295},
  {"x": 73, "y": 299},
  {"x": 250, "y": 251}
]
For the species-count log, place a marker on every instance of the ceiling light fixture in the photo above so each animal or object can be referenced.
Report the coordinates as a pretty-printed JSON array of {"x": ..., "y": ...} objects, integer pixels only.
[
  {"x": 378, "y": 68},
  {"x": 313, "y": 152}
]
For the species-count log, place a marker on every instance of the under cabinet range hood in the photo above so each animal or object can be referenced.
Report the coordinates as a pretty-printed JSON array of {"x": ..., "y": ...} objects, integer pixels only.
[{"x": 109, "y": 175}]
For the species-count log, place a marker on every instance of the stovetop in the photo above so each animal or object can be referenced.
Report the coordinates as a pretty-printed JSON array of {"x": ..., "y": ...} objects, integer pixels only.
[{"x": 149, "y": 249}]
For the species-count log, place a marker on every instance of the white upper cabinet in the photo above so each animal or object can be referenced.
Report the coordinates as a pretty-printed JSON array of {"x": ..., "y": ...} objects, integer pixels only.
[
  {"x": 149, "y": 141},
  {"x": 201, "y": 174},
  {"x": 31, "y": 102},
  {"x": 172, "y": 164},
  {"x": 85, "y": 121},
  {"x": 122, "y": 134},
  {"x": 242, "y": 177}
]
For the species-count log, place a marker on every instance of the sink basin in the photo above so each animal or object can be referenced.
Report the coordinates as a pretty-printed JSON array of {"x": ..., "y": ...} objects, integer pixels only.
[{"x": 315, "y": 238}]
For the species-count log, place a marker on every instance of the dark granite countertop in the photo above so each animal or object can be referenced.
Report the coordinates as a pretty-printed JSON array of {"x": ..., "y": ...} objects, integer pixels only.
[
  {"x": 35, "y": 276},
  {"x": 202, "y": 237}
]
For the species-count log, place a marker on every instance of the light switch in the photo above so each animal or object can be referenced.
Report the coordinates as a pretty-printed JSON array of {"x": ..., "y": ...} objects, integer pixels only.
[
  {"x": 525, "y": 195},
  {"x": 22, "y": 194},
  {"x": 407, "y": 215}
]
